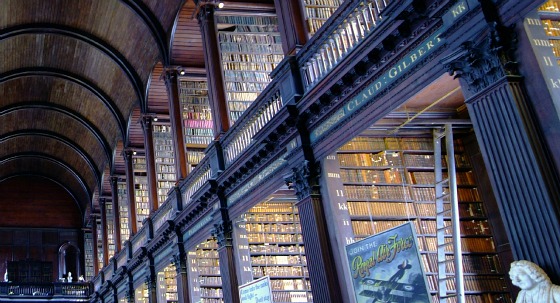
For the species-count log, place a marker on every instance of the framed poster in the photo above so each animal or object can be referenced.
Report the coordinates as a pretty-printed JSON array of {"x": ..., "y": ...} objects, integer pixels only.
[
  {"x": 256, "y": 291},
  {"x": 387, "y": 267}
]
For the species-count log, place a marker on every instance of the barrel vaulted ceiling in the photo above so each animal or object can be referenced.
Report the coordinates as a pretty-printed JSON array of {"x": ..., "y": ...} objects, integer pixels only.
[{"x": 75, "y": 78}]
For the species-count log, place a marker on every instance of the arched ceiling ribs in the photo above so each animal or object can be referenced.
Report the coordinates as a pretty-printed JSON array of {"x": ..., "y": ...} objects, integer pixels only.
[
  {"x": 42, "y": 133},
  {"x": 55, "y": 107},
  {"x": 53, "y": 160},
  {"x": 153, "y": 24},
  {"x": 64, "y": 186},
  {"x": 53, "y": 72},
  {"x": 116, "y": 56}
]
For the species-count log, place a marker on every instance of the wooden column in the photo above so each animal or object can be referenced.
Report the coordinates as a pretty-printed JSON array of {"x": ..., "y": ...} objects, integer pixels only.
[
  {"x": 147, "y": 126},
  {"x": 224, "y": 235},
  {"x": 116, "y": 213},
  {"x": 180, "y": 262},
  {"x": 519, "y": 169},
  {"x": 128, "y": 153},
  {"x": 212, "y": 58},
  {"x": 104, "y": 231},
  {"x": 320, "y": 262},
  {"x": 151, "y": 285},
  {"x": 291, "y": 21},
  {"x": 95, "y": 252},
  {"x": 176, "y": 120}
]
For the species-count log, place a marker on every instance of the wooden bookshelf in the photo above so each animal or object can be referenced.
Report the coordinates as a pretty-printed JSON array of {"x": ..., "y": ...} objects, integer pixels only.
[
  {"x": 317, "y": 12},
  {"x": 196, "y": 113},
  {"x": 250, "y": 48},
  {"x": 110, "y": 225},
  {"x": 165, "y": 160},
  {"x": 205, "y": 280},
  {"x": 167, "y": 285},
  {"x": 100, "y": 262},
  {"x": 88, "y": 256},
  {"x": 141, "y": 294},
  {"x": 141, "y": 195},
  {"x": 123, "y": 211},
  {"x": 550, "y": 19},
  {"x": 275, "y": 246},
  {"x": 389, "y": 181}
]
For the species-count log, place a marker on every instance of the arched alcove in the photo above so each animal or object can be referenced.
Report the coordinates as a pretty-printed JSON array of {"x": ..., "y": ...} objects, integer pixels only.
[{"x": 69, "y": 261}]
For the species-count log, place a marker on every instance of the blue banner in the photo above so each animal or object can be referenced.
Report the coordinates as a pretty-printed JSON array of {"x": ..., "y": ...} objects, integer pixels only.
[{"x": 387, "y": 267}]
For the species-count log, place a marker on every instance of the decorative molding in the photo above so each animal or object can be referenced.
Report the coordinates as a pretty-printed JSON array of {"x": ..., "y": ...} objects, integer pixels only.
[
  {"x": 304, "y": 179},
  {"x": 224, "y": 233},
  {"x": 483, "y": 64}
]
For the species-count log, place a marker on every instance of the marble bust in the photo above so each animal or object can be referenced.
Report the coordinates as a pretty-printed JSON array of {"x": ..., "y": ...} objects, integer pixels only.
[{"x": 535, "y": 285}]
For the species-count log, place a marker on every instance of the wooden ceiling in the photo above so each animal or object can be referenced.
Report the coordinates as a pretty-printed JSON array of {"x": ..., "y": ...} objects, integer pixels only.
[{"x": 75, "y": 78}]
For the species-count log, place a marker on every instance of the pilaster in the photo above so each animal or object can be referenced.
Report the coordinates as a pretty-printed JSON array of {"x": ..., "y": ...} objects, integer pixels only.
[
  {"x": 525, "y": 187},
  {"x": 151, "y": 284},
  {"x": 216, "y": 86},
  {"x": 292, "y": 25},
  {"x": 102, "y": 202},
  {"x": 127, "y": 154},
  {"x": 116, "y": 213},
  {"x": 180, "y": 262},
  {"x": 147, "y": 126},
  {"x": 224, "y": 235},
  {"x": 320, "y": 262},
  {"x": 171, "y": 83}
]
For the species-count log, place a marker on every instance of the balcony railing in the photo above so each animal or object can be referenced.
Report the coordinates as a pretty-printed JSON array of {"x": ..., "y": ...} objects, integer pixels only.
[
  {"x": 72, "y": 291},
  {"x": 334, "y": 44}
]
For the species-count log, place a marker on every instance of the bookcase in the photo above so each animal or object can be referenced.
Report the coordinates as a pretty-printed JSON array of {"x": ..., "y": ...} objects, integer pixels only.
[
  {"x": 141, "y": 195},
  {"x": 272, "y": 232},
  {"x": 141, "y": 294},
  {"x": 99, "y": 244},
  {"x": 204, "y": 275},
  {"x": 167, "y": 285},
  {"x": 389, "y": 181},
  {"x": 30, "y": 271},
  {"x": 165, "y": 160},
  {"x": 123, "y": 211},
  {"x": 550, "y": 19},
  {"x": 110, "y": 225},
  {"x": 250, "y": 48},
  {"x": 88, "y": 256},
  {"x": 317, "y": 12}
]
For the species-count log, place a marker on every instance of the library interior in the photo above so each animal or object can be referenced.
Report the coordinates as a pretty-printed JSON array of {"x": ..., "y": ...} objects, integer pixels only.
[{"x": 245, "y": 151}]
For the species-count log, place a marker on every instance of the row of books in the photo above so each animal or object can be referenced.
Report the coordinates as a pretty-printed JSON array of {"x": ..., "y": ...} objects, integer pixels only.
[
  {"x": 161, "y": 129},
  {"x": 203, "y": 115},
  {"x": 192, "y": 100},
  {"x": 272, "y": 216},
  {"x": 278, "y": 260},
  {"x": 323, "y": 13},
  {"x": 240, "y": 101},
  {"x": 479, "y": 245},
  {"x": 274, "y": 238},
  {"x": 195, "y": 156},
  {"x": 250, "y": 48},
  {"x": 357, "y": 192},
  {"x": 381, "y": 159},
  {"x": 246, "y": 86},
  {"x": 256, "y": 58},
  {"x": 217, "y": 281},
  {"x": 166, "y": 176},
  {"x": 381, "y": 209},
  {"x": 472, "y": 264},
  {"x": 290, "y": 284},
  {"x": 330, "y": 3},
  {"x": 207, "y": 262},
  {"x": 249, "y": 38},
  {"x": 280, "y": 271},
  {"x": 247, "y": 20},
  {"x": 292, "y": 296},
  {"x": 199, "y": 131},
  {"x": 389, "y": 176},
  {"x": 164, "y": 160},
  {"x": 243, "y": 75},
  {"x": 394, "y": 143},
  {"x": 276, "y": 248},
  {"x": 197, "y": 122},
  {"x": 273, "y": 227},
  {"x": 198, "y": 140},
  {"x": 190, "y": 84},
  {"x": 211, "y": 292},
  {"x": 463, "y": 178}
]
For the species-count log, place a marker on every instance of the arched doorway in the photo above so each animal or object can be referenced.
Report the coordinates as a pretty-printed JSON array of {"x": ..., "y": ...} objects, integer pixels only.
[{"x": 69, "y": 261}]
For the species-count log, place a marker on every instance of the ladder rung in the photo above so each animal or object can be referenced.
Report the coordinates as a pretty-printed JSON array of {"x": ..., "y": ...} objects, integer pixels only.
[
  {"x": 445, "y": 244},
  {"x": 444, "y": 212},
  {"x": 442, "y": 181},
  {"x": 452, "y": 295},
  {"x": 444, "y": 196},
  {"x": 446, "y": 261},
  {"x": 444, "y": 228}
]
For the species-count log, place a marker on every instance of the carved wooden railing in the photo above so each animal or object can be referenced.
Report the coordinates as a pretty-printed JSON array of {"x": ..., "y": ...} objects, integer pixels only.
[
  {"x": 71, "y": 291},
  {"x": 335, "y": 41},
  {"x": 196, "y": 179}
]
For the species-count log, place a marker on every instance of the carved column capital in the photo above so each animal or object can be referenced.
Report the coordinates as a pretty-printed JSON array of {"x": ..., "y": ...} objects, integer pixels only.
[
  {"x": 223, "y": 233},
  {"x": 147, "y": 121},
  {"x": 150, "y": 281},
  {"x": 304, "y": 179},
  {"x": 482, "y": 64}
]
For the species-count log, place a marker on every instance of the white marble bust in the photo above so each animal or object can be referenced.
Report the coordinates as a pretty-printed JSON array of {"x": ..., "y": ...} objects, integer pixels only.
[{"x": 534, "y": 283}]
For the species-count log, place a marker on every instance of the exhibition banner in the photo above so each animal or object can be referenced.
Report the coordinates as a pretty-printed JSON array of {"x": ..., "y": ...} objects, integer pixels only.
[
  {"x": 257, "y": 291},
  {"x": 387, "y": 267}
]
